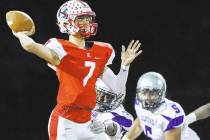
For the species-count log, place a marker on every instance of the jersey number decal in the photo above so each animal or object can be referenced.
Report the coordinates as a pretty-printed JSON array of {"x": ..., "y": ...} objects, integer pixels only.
[
  {"x": 92, "y": 66},
  {"x": 175, "y": 108},
  {"x": 148, "y": 130}
]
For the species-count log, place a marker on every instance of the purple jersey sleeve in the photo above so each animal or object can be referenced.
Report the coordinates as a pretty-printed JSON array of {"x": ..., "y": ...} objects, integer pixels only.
[
  {"x": 123, "y": 121},
  {"x": 175, "y": 117},
  {"x": 174, "y": 122}
]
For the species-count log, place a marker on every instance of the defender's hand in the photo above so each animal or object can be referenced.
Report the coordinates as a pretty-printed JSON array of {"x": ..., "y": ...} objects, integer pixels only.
[
  {"x": 97, "y": 127},
  {"x": 128, "y": 55}
]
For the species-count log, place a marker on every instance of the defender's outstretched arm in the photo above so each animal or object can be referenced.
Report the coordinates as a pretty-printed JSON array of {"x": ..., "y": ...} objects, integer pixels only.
[{"x": 200, "y": 113}]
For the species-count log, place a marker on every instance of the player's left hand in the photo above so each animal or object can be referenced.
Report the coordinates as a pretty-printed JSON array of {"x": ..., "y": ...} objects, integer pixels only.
[
  {"x": 128, "y": 55},
  {"x": 97, "y": 127}
]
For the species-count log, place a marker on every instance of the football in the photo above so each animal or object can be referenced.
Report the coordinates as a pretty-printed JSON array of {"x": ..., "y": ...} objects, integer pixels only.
[{"x": 19, "y": 21}]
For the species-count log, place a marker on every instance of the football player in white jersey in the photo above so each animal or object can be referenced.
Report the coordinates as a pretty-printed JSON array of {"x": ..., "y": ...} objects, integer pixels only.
[
  {"x": 158, "y": 117},
  {"x": 200, "y": 113},
  {"x": 109, "y": 115}
]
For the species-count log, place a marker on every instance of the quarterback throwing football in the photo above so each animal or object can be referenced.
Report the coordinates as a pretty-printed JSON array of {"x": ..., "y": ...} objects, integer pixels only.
[{"x": 78, "y": 64}]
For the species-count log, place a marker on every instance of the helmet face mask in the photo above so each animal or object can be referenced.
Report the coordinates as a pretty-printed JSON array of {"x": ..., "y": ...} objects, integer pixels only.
[
  {"x": 86, "y": 25},
  {"x": 150, "y": 99},
  {"x": 151, "y": 90},
  {"x": 72, "y": 12},
  {"x": 106, "y": 100}
]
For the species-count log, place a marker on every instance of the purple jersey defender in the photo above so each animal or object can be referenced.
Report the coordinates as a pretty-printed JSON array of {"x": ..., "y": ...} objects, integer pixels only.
[{"x": 168, "y": 116}]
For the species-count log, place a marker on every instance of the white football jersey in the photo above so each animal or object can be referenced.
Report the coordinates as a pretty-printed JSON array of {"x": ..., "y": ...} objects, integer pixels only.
[
  {"x": 168, "y": 116},
  {"x": 119, "y": 116}
]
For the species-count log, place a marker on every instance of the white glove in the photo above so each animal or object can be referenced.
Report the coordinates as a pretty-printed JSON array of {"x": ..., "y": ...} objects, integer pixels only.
[
  {"x": 107, "y": 126},
  {"x": 97, "y": 127}
]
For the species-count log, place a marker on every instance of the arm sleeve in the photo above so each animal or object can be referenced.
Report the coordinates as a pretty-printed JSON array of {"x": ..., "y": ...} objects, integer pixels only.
[
  {"x": 56, "y": 46},
  {"x": 175, "y": 123},
  {"x": 111, "y": 56},
  {"x": 116, "y": 82}
]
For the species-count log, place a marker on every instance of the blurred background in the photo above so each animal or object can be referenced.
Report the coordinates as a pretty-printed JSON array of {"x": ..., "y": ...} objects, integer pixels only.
[{"x": 175, "y": 37}]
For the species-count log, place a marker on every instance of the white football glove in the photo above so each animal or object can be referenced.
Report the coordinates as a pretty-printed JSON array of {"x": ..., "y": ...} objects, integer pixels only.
[
  {"x": 97, "y": 127},
  {"x": 108, "y": 126}
]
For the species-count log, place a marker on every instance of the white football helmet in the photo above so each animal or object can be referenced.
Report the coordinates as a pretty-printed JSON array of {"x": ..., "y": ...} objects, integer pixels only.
[
  {"x": 106, "y": 99},
  {"x": 151, "y": 90},
  {"x": 67, "y": 14}
]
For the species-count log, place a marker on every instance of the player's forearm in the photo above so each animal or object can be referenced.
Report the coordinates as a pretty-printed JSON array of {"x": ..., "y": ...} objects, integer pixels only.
[
  {"x": 32, "y": 47},
  {"x": 134, "y": 131},
  {"x": 119, "y": 82},
  {"x": 27, "y": 45},
  {"x": 202, "y": 112},
  {"x": 45, "y": 53},
  {"x": 122, "y": 76},
  {"x": 38, "y": 49},
  {"x": 116, "y": 82},
  {"x": 173, "y": 134},
  {"x": 133, "y": 134}
]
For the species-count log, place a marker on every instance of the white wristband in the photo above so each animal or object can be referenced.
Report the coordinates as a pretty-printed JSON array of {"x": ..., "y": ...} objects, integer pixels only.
[
  {"x": 191, "y": 118},
  {"x": 125, "y": 67},
  {"x": 125, "y": 138}
]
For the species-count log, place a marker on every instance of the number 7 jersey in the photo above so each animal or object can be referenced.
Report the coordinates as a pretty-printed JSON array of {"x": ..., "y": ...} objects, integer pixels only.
[{"x": 77, "y": 74}]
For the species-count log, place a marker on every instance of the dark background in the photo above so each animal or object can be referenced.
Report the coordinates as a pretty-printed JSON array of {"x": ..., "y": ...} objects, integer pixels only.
[{"x": 175, "y": 37}]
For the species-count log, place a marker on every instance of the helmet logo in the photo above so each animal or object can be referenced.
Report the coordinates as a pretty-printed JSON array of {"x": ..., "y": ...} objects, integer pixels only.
[{"x": 63, "y": 13}]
